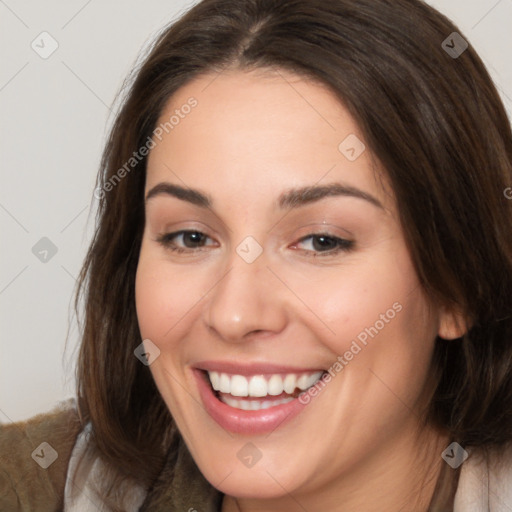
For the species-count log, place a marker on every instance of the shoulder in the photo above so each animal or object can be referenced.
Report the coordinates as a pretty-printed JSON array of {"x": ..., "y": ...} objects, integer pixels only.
[
  {"x": 34, "y": 456},
  {"x": 485, "y": 482},
  {"x": 91, "y": 483}
]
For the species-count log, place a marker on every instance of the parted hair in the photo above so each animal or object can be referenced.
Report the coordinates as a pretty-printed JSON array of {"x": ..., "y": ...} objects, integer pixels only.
[{"x": 434, "y": 121}]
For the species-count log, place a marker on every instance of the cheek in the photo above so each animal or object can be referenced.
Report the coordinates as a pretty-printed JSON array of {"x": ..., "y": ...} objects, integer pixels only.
[
  {"x": 152, "y": 302},
  {"x": 381, "y": 300},
  {"x": 165, "y": 297}
]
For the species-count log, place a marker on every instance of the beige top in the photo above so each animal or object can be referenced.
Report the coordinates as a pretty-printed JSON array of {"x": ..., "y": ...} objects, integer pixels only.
[{"x": 485, "y": 486}]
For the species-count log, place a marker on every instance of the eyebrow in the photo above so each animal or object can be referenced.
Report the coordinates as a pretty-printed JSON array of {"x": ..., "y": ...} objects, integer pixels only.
[{"x": 290, "y": 199}]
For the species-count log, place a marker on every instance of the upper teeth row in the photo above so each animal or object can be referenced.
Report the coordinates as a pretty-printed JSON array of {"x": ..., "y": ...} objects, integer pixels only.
[{"x": 259, "y": 385}]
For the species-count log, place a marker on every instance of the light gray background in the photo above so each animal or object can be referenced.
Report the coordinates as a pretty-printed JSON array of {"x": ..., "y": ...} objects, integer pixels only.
[{"x": 55, "y": 114}]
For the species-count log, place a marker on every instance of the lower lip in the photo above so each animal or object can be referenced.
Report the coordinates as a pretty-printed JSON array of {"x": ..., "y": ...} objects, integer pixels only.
[{"x": 239, "y": 421}]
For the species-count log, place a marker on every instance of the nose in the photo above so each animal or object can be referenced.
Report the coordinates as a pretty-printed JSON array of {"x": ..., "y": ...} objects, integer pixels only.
[{"x": 248, "y": 299}]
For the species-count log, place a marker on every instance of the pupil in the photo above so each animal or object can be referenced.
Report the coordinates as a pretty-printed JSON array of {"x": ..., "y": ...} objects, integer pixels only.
[
  {"x": 194, "y": 237},
  {"x": 323, "y": 242}
]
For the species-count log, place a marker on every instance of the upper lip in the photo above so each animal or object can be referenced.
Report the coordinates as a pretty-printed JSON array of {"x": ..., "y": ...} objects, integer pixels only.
[{"x": 254, "y": 368}]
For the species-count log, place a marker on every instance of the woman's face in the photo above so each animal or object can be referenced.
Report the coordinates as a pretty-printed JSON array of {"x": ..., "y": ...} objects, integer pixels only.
[{"x": 293, "y": 263}]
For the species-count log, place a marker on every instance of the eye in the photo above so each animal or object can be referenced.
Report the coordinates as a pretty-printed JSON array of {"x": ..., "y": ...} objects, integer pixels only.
[
  {"x": 183, "y": 241},
  {"x": 323, "y": 244}
]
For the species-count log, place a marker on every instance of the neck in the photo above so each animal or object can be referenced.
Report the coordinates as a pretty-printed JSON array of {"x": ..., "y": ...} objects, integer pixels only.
[{"x": 402, "y": 476}]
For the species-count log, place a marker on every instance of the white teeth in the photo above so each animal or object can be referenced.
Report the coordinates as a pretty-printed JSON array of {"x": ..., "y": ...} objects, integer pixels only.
[
  {"x": 253, "y": 405},
  {"x": 275, "y": 385},
  {"x": 289, "y": 383},
  {"x": 260, "y": 386},
  {"x": 224, "y": 383},
  {"x": 239, "y": 386},
  {"x": 215, "y": 380},
  {"x": 304, "y": 382}
]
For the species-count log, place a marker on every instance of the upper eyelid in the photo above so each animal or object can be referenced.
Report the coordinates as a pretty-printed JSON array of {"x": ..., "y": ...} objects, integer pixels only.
[{"x": 313, "y": 228}]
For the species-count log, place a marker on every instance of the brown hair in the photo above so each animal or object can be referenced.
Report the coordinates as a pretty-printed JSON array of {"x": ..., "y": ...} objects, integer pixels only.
[{"x": 435, "y": 123}]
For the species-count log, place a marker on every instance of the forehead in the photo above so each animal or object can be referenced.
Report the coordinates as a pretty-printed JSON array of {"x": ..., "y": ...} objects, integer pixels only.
[
  {"x": 260, "y": 102},
  {"x": 259, "y": 127}
]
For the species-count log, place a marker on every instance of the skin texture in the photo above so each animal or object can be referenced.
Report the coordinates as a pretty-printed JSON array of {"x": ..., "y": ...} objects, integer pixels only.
[{"x": 357, "y": 445}]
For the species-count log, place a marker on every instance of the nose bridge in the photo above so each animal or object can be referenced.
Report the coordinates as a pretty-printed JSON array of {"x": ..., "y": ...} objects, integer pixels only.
[{"x": 245, "y": 298}]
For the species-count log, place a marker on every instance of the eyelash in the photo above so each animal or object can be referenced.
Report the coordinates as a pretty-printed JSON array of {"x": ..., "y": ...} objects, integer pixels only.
[{"x": 343, "y": 245}]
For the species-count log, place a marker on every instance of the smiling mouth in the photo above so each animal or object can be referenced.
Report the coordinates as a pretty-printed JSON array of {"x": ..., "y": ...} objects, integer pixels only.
[{"x": 257, "y": 392}]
